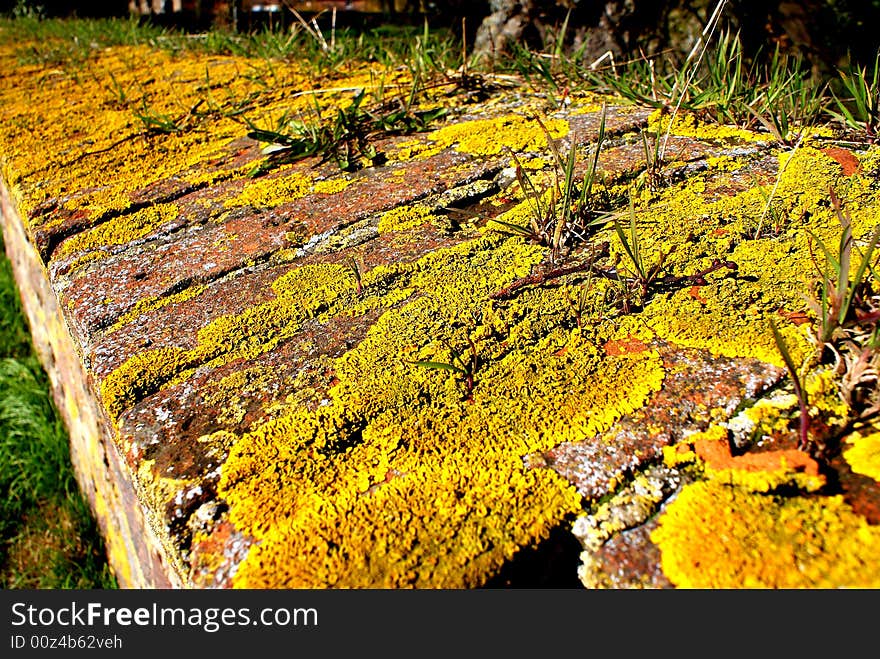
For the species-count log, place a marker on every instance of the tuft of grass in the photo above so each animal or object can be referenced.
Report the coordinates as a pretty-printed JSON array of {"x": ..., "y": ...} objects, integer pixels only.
[
  {"x": 565, "y": 212},
  {"x": 643, "y": 274},
  {"x": 355, "y": 269},
  {"x": 640, "y": 278},
  {"x": 653, "y": 177},
  {"x": 857, "y": 104},
  {"x": 464, "y": 364},
  {"x": 580, "y": 302},
  {"x": 775, "y": 215},
  {"x": 787, "y": 102},
  {"x": 346, "y": 139},
  {"x": 836, "y": 291},
  {"x": 56, "y": 41},
  {"x": 847, "y": 328},
  {"x": 774, "y": 92}
]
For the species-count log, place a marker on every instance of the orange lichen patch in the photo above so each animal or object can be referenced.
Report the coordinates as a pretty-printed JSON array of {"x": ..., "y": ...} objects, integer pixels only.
[
  {"x": 717, "y": 455},
  {"x": 847, "y": 160},
  {"x": 717, "y": 536},
  {"x": 629, "y": 345},
  {"x": 695, "y": 293},
  {"x": 795, "y": 317},
  {"x": 761, "y": 471}
]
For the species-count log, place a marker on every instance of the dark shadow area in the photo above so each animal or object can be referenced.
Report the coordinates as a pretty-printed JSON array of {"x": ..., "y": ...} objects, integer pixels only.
[
  {"x": 827, "y": 33},
  {"x": 552, "y": 564},
  {"x": 59, "y": 8},
  {"x": 458, "y": 16}
]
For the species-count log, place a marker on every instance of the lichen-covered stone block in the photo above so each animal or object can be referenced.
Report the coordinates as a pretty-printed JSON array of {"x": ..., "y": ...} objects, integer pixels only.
[{"x": 282, "y": 374}]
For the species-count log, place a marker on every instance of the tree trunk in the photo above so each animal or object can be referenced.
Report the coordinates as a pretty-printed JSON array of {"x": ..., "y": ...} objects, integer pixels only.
[{"x": 596, "y": 26}]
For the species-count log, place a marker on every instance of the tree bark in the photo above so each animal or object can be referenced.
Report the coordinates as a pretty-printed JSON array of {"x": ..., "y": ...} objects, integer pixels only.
[{"x": 595, "y": 26}]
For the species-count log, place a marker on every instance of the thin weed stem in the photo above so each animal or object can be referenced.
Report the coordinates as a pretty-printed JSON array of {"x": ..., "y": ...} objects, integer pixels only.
[
  {"x": 769, "y": 199},
  {"x": 702, "y": 44}
]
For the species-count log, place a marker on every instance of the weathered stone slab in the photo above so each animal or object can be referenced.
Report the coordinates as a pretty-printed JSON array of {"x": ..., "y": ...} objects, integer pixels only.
[{"x": 323, "y": 378}]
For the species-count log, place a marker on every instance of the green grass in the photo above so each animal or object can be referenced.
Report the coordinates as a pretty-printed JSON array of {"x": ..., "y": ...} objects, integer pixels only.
[
  {"x": 564, "y": 212},
  {"x": 770, "y": 90},
  {"x": 775, "y": 91},
  {"x": 48, "y": 538},
  {"x": 60, "y": 41}
]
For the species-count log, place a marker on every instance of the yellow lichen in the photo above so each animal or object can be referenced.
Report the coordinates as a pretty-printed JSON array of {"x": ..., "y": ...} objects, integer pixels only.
[
  {"x": 687, "y": 125},
  {"x": 269, "y": 192},
  {"x": 331, "y": 185},
  {"x": 403, "y": 440},
  {"x": 491, "y": 136},
  {"x": 404, "y": 475},
  {"x": 677, "y": 455},
  {"x": 716, "y": 536},
  {"x": 141, "y": 373},
  {"x": 863, "y": 454},
  {"x": 231, "y": 393},
  {"x": 151, "y": 304},
  {"x": 404, "y": 218},
  {"x": 724, "y": 163},
  {"x": 88, "y": 145},
  {"x": 731, "y": 316}
]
